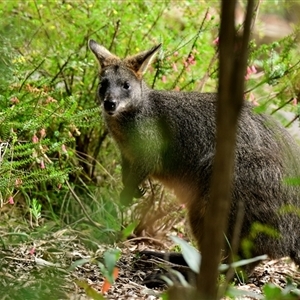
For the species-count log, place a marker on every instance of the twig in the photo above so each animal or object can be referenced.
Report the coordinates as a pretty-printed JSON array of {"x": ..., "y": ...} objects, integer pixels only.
[
  {"x": 292, "y": 121},
  {"x": 192, "y": 48},
  {"x": 281, "y": 106},
  {"x": 115, "y": 34},
  {"x": 145, "y": 238},
  {"x": 97, "y": 150},
  {"x": 206, "y": 75},
  {"x": 99, "y": 226},
  {"x": 31, "y": 74}
]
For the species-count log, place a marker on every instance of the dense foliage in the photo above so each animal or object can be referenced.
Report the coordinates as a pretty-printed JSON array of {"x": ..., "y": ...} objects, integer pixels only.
[
  {"x": 54, "y": 146},
  {"x": 49, "y": 116}
]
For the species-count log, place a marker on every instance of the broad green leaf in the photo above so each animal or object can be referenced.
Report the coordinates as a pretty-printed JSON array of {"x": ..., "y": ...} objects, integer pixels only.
[
  {"x": 190, "y": 254},
  {"x": 89, "y": 290}
]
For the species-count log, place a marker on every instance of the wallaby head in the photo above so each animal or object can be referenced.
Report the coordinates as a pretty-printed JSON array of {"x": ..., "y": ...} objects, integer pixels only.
[{"x": 121, "y": 86}]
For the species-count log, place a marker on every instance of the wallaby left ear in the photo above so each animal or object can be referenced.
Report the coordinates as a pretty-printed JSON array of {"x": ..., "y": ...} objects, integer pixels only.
[
  {"x": 103, "y": 56},
  {"x": 140, "y": 62}
]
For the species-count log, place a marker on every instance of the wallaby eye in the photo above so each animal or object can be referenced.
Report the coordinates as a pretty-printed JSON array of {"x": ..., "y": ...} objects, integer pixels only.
[
  {"x": 126, "y": 85},
  {"x": 103, "y": 84}
]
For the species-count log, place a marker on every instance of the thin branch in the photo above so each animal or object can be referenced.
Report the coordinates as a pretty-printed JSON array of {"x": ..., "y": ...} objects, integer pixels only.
[
  {"x": 281, "y": 106},
  {"x": 192, "y": 48},
  {"x": 292, "y": 121},
  {"x": 115, "y": 34},
  {"x": 97, "y": 225},
  {"x": 61, "y": 68},
  {"x": 207, "y": 73},
  {"x": 36, "y": 68}
]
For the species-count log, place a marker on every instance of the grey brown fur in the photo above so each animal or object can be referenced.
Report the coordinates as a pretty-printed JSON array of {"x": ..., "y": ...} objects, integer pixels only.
[{"x": 170, "y": 136}]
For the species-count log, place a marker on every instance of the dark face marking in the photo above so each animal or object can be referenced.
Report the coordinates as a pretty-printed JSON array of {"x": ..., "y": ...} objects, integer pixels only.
[{"x": 118, "y": 88}]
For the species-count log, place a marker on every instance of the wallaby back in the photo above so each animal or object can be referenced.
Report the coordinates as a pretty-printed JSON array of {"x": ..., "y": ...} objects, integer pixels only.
[{"x": 170, "y": 136}]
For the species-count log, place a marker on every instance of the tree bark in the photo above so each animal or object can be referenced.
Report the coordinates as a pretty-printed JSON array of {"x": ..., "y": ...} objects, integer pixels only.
[{"x": 233, "y": 63}]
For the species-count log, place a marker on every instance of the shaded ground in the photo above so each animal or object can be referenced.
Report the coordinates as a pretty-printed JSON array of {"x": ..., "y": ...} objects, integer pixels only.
[{"x": 39, "y": 270}]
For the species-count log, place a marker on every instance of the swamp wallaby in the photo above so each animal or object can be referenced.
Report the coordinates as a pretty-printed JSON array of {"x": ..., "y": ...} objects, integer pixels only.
[{"x": 170, "y": 136}]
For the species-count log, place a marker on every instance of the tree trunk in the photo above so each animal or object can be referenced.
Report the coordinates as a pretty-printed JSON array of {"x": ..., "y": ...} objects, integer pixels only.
[{"x": 233, "y": 62}]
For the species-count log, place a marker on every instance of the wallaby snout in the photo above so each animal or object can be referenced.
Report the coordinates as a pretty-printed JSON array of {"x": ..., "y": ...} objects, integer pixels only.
[{"x": 110, "y": 105}]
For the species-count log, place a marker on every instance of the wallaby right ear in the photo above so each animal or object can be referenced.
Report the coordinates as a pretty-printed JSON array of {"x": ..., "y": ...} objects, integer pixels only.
[
  {"x": 103, "y": 56},
  {"x": 140, "y": 62}
]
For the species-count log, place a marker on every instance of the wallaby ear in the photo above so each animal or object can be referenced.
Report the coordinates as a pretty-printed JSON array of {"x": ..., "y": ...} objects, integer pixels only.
[
  {"x": 103, "y": 56},
  {"x": 140, "y": 62}
]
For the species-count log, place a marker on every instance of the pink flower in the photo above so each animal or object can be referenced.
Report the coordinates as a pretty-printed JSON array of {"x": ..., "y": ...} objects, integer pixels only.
[
  {"x": 42, "y": 165},
  {"x": 253, "y": 69},
  {"x": 59, "y": 186},
  {"x": 14, "y": 100},
  {"x": 35, "y": 139},
  {"x": 177, "y": 88},
  {"x": 18, "y": 182},
  {"x": 189, "y": 62},
  {"x": 50, "y": 100},
  {"x": 32, "y": 251},
  {"x": 250, "y": 70},
  {"x": 191, "y": 59},
  {"x": 216, "y": 41},
  {"x": 253, "y": 99},
  {"x": 164, "y": 79},
  {"x": 174, "y": 67},
  {"x": 43, "y": 132},
  {"x": 294, "y": 101},
  {"x": 63, "y": 148},
  {"x": 11, "y": 200},
  {"x": 175, "y": 53}
]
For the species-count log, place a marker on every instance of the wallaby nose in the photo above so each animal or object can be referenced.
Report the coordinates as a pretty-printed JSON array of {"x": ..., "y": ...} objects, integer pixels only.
[{"x": 110, "y": 105}]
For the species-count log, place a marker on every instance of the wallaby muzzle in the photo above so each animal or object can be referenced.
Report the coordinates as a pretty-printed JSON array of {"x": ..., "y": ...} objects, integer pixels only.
[{"x": 110, "y": 106}]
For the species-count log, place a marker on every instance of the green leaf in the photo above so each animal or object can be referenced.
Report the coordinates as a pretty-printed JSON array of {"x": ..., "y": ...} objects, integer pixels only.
[
  {"x": 89, "y": 290},
  {"x": 239, "y": 294},
  {"x": 78, "y": 263},
  {"x": 190, "y": 254},
  {"x": 127, "y": 231},
  {"x": 240, "y": 263},
  {"x": 110, "y": 259}
]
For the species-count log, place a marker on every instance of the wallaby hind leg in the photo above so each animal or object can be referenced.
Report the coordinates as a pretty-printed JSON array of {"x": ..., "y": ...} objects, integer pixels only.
[{"x": 196, "y": 219}]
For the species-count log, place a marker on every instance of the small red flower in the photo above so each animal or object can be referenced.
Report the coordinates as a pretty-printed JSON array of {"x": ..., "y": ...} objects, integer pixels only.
[
  {"x": 18, "y": 182},
  {"x": 14, "y": 100},
  {"x": 191, "y": 60},
  {"x": 35, "y": 139},
  {"x": 174, "y": 67},
  {"x": 43, "y": 132},
  {"x": 216, "y": 41},
  {"x": 63, "y": 148},
  {"x": 250, "y": 70},
  {"x": 11, "y": 200},
  {"x": 294, "y": 101},
  {"x": 32, "y": 251}
]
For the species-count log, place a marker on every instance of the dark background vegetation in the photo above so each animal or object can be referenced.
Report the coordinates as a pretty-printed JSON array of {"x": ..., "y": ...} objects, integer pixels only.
[{"x": 61, "y": 168}]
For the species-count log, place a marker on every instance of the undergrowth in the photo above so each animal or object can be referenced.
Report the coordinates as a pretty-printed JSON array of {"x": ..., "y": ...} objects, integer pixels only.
[{"x": 58, "y": 164}]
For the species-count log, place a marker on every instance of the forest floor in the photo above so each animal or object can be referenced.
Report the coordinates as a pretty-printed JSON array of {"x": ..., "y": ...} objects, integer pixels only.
[{"x": 40, "y": 269}]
